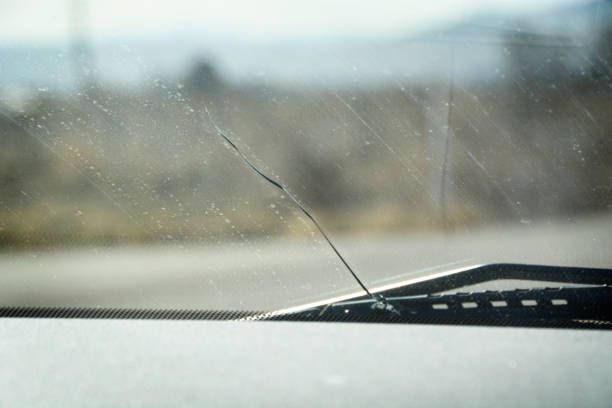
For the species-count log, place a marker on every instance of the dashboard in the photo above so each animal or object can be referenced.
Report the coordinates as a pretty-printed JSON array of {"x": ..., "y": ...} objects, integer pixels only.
[{"x": 160, "y": 363}]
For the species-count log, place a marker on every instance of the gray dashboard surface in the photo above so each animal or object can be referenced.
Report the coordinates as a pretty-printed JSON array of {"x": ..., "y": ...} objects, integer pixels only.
[{"x": 69, "y": 363}]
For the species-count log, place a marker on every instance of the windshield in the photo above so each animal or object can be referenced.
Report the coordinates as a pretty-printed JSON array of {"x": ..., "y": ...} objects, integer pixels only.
[{"x": 261, "y": 155}]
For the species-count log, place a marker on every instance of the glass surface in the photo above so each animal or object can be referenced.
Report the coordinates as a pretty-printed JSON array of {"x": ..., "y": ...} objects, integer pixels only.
[{"x": 421, "y": 136}]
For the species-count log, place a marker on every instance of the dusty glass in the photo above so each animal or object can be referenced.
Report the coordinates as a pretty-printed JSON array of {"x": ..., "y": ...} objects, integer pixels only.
[{"x": 229, "y": 155}]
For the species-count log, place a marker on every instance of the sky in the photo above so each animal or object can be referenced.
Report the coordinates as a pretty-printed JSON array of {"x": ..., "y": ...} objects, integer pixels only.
[
  {"x": 290, "y": 42},
  {"x": 47, "y": 22}
]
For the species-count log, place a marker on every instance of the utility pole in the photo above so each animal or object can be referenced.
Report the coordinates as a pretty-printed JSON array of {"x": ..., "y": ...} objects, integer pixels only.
[
  {"x": 440, "y": 140},
  {"x": 82, "y": 58}
]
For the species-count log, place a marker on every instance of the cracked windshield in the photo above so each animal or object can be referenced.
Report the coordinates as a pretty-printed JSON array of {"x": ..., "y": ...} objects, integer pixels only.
[{"x": 240, "y": 155}]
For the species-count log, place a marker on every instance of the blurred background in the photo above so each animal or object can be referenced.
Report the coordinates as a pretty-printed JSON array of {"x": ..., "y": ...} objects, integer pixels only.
[{"x": 421, "y": 135}]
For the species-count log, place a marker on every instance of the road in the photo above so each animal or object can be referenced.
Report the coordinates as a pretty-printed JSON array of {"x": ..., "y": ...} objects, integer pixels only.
[{"x": 255, "y": 275}]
